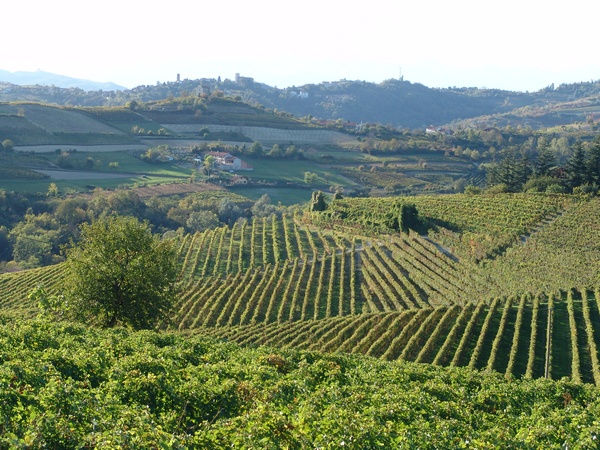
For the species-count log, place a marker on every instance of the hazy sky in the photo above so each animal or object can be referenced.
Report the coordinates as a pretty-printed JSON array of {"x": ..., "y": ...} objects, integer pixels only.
[{"x": 510, "y": 44}]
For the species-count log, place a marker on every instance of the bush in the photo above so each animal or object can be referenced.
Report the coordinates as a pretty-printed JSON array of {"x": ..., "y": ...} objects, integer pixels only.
[
  {"x": 555, "y": 189},
  {"x": 497, "y": 189}
]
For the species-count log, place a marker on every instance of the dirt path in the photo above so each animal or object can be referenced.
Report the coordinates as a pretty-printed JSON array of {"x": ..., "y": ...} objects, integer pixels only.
[
  {"x": 445, "y": 250},
  {"x": 543, "y": 224}
]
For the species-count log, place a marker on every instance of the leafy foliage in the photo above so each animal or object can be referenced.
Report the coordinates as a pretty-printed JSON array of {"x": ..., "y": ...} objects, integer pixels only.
[
  {"x": 69, "y": 386},
  {"x": 120, "y": 273},
  {"x": 317, "y": 201}
]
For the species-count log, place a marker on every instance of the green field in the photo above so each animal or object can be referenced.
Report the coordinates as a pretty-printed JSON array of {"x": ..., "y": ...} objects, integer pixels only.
[
  {"x": 131, "y": 171},
  {"x": 285, "y": 196},
  {"x": 128, "y": 163},
  {"x": 293, "y": 171}
]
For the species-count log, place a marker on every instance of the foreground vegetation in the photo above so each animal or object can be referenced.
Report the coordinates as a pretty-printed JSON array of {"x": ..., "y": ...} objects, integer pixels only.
[{"x": 68, "y": 386}]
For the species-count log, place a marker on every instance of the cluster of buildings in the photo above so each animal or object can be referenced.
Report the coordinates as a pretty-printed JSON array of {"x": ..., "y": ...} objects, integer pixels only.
[{"x": 226, "y": 161}]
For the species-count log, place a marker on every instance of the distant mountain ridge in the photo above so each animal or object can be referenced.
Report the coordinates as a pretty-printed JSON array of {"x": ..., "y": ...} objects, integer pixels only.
[
  {"x": 395, "y": 102},
  {"x": 40, "y": 77}
]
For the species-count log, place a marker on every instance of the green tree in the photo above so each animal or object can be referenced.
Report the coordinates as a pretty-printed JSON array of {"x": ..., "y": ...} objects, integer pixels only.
[
  {"x": 34, "y": 239},
  {"x": 576, "y": 166},
  {"x": 275, "y": 152},
  {"x": 291, "y": 152},
  {"x": 208, "y": 163},
  {"x": 228, "y": 211},
  {"x": 256, "y": 150},
  {"x": 317, "y": 201},
  {"x": 202, "y": 220},
  {"x": 121, "y": 273},
  {"x": 263, "y": 207},
  {"x": 593, "y": 162},
  {"x": 546, "y": 159},
  {"x": 408, "y": 219},
  {"x": 504, "y": 172},
  {"x": 52, "y": 190},
  {"x": 310, "y": 178}
]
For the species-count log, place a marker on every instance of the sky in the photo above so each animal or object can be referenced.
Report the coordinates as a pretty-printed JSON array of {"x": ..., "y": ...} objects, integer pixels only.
[{"x": 521, "y": 45}]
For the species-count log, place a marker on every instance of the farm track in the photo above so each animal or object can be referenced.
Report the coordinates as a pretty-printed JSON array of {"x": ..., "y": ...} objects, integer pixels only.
[
  {"x": 58, "y": 174},
  {"x": 546, "y": 222}
]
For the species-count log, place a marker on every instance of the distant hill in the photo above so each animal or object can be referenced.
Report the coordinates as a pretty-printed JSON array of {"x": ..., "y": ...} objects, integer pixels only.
[
  {"x": 51, "y": 79},
  {"x": 399, "y": 103}
]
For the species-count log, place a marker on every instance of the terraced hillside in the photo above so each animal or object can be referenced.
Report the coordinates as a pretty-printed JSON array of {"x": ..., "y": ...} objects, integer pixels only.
[
  {"x": 276, "y": 270},
  {"x": 35, "y": 124},
  {"x": 288, "y": 283},
  {"x": 476, "y": 227},
  {"x": 532, "y": 337}
]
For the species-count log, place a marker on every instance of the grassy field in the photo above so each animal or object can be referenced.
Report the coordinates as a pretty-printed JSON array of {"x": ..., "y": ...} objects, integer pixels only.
[
  {"x": 77, "y": 185},
  {"x": 285, "y": 196},
  {"x": 127, "y": 163},
  {"x": 293, "y": 171},
  {"x": 130, "y": 171}
]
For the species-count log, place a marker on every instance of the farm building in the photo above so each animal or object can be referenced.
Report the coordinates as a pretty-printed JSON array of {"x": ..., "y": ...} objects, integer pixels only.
[{"x": 226, "y": 161}]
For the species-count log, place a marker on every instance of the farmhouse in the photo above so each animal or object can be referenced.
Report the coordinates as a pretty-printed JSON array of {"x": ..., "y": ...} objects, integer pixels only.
[{"x": 226, "y": 161}]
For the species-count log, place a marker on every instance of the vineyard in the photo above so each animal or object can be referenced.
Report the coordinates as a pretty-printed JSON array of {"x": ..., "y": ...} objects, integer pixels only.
[
  {"x": 520, "y": 337},
  {"x": 69, "y": 386},
  {"x": 268, "y": 135},
  {"x": 322, "y": 284},
  {"x": 474, "y": 226}
]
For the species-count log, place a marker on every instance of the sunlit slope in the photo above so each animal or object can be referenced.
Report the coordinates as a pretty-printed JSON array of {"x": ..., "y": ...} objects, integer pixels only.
[
  {"x": 555, "y": 336},
  {"x": 317, "y": 282}
]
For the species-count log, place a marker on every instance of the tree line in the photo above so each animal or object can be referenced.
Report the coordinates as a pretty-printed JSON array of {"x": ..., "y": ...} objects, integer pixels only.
[
  {"x": 34, "y": 228},
  {"x": 540, "y": 170}
]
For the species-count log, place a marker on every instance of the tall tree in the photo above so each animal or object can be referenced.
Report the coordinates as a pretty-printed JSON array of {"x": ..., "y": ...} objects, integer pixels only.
[
  {"x": 121, "y": 273},
  {"x": 576, "y": 167},
  {"x": 256, "y": 150},
  {"x": 546, "y": 159},
  {"x": 511, "y": 171},
  {"x": 522, "y": 171},
  {"x": 317, "y": 201},
  {"x": 593, "y": 162}
]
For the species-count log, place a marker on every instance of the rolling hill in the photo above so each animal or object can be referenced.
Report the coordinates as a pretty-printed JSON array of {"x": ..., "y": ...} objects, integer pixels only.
[
  {"x": 400, "y": 103},
  {"x": 317, "y": 283}
]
